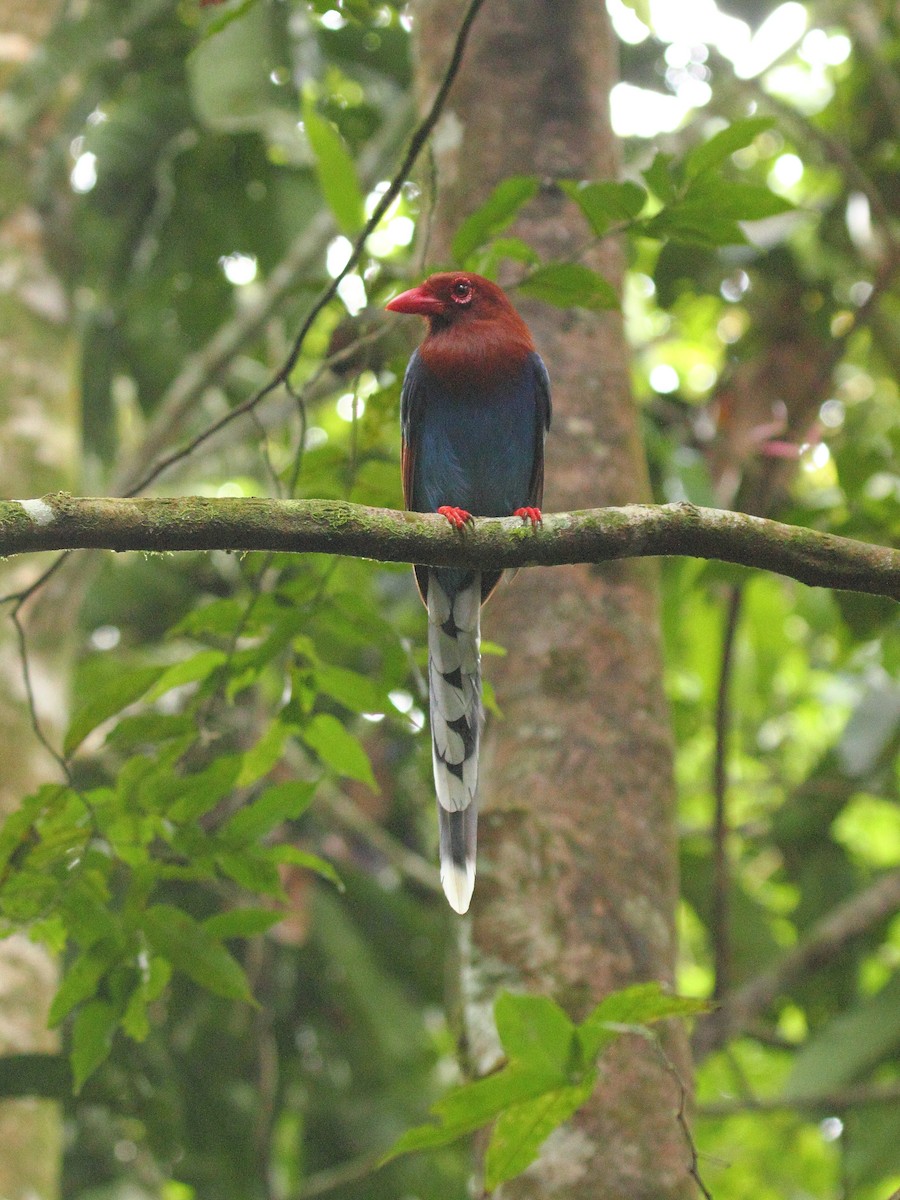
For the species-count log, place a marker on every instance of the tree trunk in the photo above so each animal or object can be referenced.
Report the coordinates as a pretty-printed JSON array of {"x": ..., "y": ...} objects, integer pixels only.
[{"x": 577, "y": 889}]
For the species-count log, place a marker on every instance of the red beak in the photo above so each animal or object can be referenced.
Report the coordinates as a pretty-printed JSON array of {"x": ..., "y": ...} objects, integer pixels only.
[{"x": 416, "y": 301}]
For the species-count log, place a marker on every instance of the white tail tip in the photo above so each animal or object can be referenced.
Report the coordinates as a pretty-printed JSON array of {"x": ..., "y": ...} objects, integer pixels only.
[{"x": 458, "y": 884}]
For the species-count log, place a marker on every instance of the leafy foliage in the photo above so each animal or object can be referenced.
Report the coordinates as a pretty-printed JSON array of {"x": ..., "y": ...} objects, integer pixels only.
[
  {"x": 225, "y": 712},
  {"x": 550, "y": 1071}
]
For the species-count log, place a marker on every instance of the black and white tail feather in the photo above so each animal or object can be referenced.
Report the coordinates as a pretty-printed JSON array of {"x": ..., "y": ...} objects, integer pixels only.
[{"x": 454, "y": 682}]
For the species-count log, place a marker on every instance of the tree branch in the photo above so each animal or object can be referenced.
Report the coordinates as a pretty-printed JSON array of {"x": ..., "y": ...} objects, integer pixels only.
[
  {"x": 63, "y": 522},
  {"x": 827, "y": 1102},
  {"x": 825, "y": 941}
]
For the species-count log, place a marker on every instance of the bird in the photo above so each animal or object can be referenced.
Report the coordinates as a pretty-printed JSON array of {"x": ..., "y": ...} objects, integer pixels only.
[{"x": 475, "y": 409}]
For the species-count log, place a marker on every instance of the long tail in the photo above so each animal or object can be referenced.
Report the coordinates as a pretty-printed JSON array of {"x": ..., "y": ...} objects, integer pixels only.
[{"x": 454, "y": 682}]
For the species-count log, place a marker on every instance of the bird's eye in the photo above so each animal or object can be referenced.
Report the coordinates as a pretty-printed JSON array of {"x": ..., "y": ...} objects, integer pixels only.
[{"x": 461, "y": 291}]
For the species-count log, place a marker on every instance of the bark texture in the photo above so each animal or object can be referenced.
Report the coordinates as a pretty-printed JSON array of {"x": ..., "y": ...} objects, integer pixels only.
[
  {"x": 63, "y": 522},
  {"x": 577, "y": 888}
]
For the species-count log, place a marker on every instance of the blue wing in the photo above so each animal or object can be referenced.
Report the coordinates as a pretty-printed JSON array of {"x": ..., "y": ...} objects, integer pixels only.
[{"x": 477, "y": 447}]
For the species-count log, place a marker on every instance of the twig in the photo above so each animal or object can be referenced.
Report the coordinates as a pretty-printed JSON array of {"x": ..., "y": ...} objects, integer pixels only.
[
  {"x": 827, "y": 1102},
  {"x": 418, "y": 140},
  {"x": 720, "y": 924},
  {"x": 60, "y": 521},
  {"x": 410, "y": 865},
  {"x": 15, "y": 617},
  {"x": 334, "y": 1177},
  {"x": 825, "y": 942},
  {"x": 653, "y": 1038},
  {"x": 210, "y": 362}
]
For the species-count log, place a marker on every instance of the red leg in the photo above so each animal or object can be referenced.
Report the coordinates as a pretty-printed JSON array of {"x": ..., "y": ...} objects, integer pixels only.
[
  {"x": 458, "y": 517},
  {"x": 530, "y": 514}
]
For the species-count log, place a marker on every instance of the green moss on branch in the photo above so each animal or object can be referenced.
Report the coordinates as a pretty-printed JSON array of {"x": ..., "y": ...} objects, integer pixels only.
[{"x": 63, "y": 522}]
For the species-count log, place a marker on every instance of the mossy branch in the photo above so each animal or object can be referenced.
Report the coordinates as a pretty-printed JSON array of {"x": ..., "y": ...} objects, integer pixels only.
[{"x": 63, "y": 522}]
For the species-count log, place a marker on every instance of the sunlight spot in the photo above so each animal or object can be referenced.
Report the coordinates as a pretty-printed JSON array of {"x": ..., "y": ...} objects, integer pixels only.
[
  {"x": 374, "y": 197},
  {"x": 352, "y": 291},
  {"x": 787, "y": 170},
  {"x": 781, "y": 30},
  {"x": 239, "y": 269},
  {"x": 332, "y": 19},
  {"x": 401, "y": 700},
  {"x": 820, "y": 49},
  {"x": 814, "y": 458},
  {"x": 859, "y": 220},
  {"x": 640, "y": 112},
  {"x": 350, "y": 407},
  {"x": 701, "y": 377},
  {"x": 664, "y": 379},
  {"x": 84, "y": 174},
  {"x": 734, "y": 286},
  {"x": 831, "y": 1129},
  {"x": 831, "y": 414},
  {"x": 337, "y": 255},
  {"x": 105, "y": 637},
  {"x": 627, "y": 24},
  {"x": 417, "y": 719}
]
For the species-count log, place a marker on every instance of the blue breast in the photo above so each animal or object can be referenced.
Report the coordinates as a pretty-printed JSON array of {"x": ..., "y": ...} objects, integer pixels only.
[{"x": 475, "y": 447}]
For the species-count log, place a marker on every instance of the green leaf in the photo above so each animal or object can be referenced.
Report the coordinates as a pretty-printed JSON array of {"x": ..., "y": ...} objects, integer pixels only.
[
  {"x": 536, "y": 1032},
  {"x": 638, "y": 1005},
  {"x": 219, "y": 616},
  {"x": 474, "y": 1104},
  {"x": 302, "y": 858},
  {"x": 92, "y": 1037},
  {"x": 82, "y": 979},
  {"x": 190, "y": 670},
  {"x": 488, "y": 260},
  {"x": 737, "y": 201},
  {"x": 338, "y": 748},
  {"x": 106, "y": 700},
  {"x": 660, "y": 178},
  {"x": 190, "y": 948},
  {"x": 242, "y": 922},
  {"x": 188, "y": 797},
  {"x": 697, "y": 226},
  {"x": 254, "y": 868},
  {"x": 135, "y": 1021},
  {"x": 226, "y": 16},
  {"x": 568, "y": 285},
  {"x": 259, "y": 761},
  {"x": 422, "y": 1137},
  {"x": 716, "y": 149},
  {"x": 495, "y": 215},
  {"x": 281, "y": 802},
  {"x": 16, "y": 827},
  {"x": 520, "y": 1130},
  {"x": 469, "y": 1107},
  {"x": 357, "y": 692},
  {"x": 605, "y": 202},
  {"x": 335, "y": 169}
]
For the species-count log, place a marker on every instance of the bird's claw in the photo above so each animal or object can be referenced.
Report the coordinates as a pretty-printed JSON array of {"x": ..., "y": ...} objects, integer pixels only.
[
  {"x": 530, "y": 514},
  {"x": 458, "y": 517}
]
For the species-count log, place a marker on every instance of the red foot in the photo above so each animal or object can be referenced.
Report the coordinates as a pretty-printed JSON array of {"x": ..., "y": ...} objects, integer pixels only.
[
  {"x": 530, "y": 514},
  {"x": 458, "y": 517}
]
